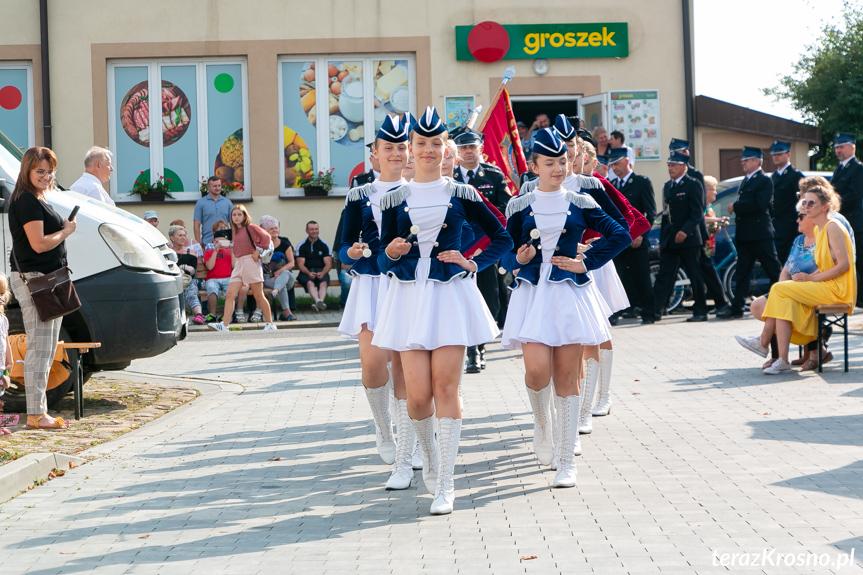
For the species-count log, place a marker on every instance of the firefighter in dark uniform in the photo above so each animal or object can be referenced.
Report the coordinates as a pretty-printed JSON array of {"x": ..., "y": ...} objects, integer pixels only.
[
  {"x": 491, "y": 183},
  {"x": 371, "y": 175},
  {"x": 708, "y": 270},
  {"x": 633, "y": 263},
  {"x": 755, "y": 234},
  {"x": 848, "y": 183},
  {"x": 786, "y": 185},
  {"x": 680, "y": 238}
]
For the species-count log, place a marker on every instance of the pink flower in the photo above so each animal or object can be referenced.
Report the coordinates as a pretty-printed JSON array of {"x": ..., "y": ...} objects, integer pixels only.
[
  {"x": 169, "y": 180},
  {"x": 142, "y": 172}
]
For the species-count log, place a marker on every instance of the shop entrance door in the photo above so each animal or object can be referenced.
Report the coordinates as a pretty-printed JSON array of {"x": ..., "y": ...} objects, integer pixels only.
[
  {"x": 526, "y": 108},
  {"x": 593, "y": 110}
]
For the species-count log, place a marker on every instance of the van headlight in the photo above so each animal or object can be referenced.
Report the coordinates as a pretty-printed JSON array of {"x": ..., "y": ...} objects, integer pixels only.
[{"x": 131, "y": 249}]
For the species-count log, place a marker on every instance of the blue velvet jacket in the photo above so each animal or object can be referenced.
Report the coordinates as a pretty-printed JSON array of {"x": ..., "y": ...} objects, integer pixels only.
[
  {"x": 594, "y": 188},
  {"x": 359, "y": 221},
  {"x": 466, "y": 206},
  {"x": 584, "y": 213}
]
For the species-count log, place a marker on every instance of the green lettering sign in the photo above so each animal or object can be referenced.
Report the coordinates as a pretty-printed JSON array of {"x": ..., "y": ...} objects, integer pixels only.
[{"x": 529, "y": 41}]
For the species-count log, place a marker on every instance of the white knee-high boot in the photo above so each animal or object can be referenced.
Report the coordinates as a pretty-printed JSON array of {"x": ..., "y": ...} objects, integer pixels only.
[
  {"x": 425, "y": 434},
  {"x": 555, "y": 421},
  {"x": 379, "y": 401},
  {"x": 567, "y": 413},
  {"x": 603, "y": 399},
  {"x": 543, "y": 429},
  {"x": 450, "y": 433},
  {"x": 588, "y": 386},
  {"x": 403, "y": 472}
]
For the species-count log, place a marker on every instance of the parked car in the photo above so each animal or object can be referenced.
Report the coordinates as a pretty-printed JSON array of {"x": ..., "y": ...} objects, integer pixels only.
[
  {"x": 125, "y": 274},
  {"x": 725, "y": 258}
]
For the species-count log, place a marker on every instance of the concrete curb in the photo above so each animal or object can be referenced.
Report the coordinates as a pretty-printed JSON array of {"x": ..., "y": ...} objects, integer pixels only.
[
  {"x": 300, "y": 324},
  {"x": 17, "y": 476}
]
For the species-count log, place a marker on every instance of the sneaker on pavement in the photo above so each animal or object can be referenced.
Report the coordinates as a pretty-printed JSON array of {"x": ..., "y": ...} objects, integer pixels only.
[
  {"x": 211, "y": 318},
  {"x": 257, "y": 316},
  {"x": 753, "y": 344},
  {"x": 241, "y": 316},
  {"x": 218, "y": 326},
  {"x": 315, "y": 307},
  {"x": 778, "y": 367},
  {"x": 270, "y": 327},
  {"x": 321, "y": 305},
  {"x": 198, "y": 319}
]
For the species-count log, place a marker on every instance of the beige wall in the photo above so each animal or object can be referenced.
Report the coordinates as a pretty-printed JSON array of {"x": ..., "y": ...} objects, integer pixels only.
[
  {"x": 87, "y": 32},
  {"x": 708, "y": 141}
]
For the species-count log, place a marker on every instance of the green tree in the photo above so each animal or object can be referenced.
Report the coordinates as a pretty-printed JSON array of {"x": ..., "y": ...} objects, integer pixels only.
[{"x": 827, "y": 83}]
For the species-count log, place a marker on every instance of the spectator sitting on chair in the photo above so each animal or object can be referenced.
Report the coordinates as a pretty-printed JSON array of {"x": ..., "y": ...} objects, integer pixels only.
[
  {"x": 790, "y": 308},
  {"x": 188, "y": 258},
  {"x": 314, "y": 260},
  {"x": 152, "y": 218},
  {"x": 278, "y": 278},
  {"x": 219, "y": 262}
]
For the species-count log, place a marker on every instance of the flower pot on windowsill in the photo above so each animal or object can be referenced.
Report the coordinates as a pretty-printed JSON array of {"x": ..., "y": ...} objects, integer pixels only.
[
  {"x": 153, "y": 196},
  {"x": 314, "y": 191}
]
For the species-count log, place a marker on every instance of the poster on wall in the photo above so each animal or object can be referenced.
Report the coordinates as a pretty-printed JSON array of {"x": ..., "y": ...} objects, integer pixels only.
[
  {"x": 16, "y": 111},
  {"x": 458, "y": 110},
  {"x": 636, "y": 114}
]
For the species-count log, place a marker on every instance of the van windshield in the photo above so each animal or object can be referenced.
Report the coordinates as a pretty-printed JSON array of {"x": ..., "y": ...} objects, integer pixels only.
[{"x": 10, "y": 158}]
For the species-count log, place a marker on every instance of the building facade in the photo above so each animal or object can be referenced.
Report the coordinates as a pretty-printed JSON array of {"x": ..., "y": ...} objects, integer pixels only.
[{"x": 267, "y": 92}]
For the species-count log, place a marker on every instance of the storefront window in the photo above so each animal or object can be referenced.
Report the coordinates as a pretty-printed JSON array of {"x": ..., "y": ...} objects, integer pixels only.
[
  {"x": 202, "y": 114},
  {"x": 325, "y": 129},
  {"x": 16, "y": 105}
]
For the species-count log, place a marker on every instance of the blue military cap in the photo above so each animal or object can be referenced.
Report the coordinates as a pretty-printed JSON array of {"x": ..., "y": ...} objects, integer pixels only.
[
  {"x": 465, "y": 136},
  {"x": 602, "y": 159},
  {"x": 617, "y": 154},
  {"x": 393, "y": 130},
  {"x": 585, "y": 135},
  {"x": 409, "y": 121},
  {"x": 750, "y": 152},
  {"x": 843, "y": 138},
  {"x": 563, "y": 128},
  {"x": 548, "y": 143},
  {"x": 780, "y": 147},
  {"x": 678, "y": 144},
  {"x": 677, "y": 158},
  {"x": 429, "y": 124}
]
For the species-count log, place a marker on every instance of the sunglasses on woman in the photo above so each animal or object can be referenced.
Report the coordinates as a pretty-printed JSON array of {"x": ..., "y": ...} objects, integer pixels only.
[
  {"x": 800, "y": 217},
  {"x": 808, "y": 204}
]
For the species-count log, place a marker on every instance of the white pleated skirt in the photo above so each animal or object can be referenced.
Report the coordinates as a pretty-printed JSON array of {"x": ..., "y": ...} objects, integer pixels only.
[
  {"x": 610, "y": 287},
  {"x": 364, "y": 304},
  {"x": 427, "y": 314},
  {"x": 555, "y": 314}
]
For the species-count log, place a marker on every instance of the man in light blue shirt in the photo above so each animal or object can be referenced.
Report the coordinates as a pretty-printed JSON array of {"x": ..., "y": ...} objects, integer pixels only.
[{"x": 209, "y": 209}]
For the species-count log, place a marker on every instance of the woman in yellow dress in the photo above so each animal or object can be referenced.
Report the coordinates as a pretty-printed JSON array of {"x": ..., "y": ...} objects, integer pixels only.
[{"x": 791, "y": 304}]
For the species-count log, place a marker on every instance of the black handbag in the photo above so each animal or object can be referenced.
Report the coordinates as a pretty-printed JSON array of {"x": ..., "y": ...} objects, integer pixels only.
[{"x": 53, "y": 294}]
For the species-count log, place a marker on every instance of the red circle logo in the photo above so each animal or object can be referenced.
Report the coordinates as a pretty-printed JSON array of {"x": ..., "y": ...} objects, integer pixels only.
[
  {"x": 488, "y": 42},
  {"x": 10, "y": 97}
]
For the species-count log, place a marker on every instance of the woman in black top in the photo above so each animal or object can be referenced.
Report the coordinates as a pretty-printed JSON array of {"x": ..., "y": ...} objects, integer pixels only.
[
  {"x": 278, "y": 279},
  {"x": 39, "y": 246}
]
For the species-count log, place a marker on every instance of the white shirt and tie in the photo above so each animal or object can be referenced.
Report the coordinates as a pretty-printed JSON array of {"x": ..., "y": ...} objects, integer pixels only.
[{"x": 89, "y": 185}]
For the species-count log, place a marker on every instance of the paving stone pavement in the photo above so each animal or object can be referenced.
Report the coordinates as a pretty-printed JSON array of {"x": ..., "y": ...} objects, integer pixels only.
[{"x": 702, "y": 457}]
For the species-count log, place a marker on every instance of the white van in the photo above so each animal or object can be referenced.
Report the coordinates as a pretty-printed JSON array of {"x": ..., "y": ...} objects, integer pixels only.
[{"x": 125, "y": 275}]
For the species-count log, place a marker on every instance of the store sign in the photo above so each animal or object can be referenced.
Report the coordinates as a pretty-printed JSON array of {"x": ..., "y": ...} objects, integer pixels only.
[
  {"x": 636, "y": 114},
  {"x": 490, "y": 41}
]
